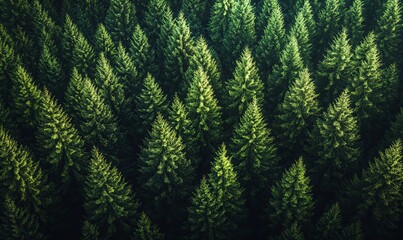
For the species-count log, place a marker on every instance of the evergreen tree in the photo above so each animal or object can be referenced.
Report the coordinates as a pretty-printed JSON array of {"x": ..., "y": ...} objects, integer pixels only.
[
  {"x": 291, "y": 199},
  {"x": 157, "y": 12},
  {"x": 272, "y": 42},
  {"x": 18, "y": 223},
  {"x": 195, "y": 12},
  {"x": 6, "y": 119},
  {"x": 329, "y": 224},
  {"x": 204, "y": 112},
  {"x": 69, "y": 38},
  {"x": 300, "y": 31},
  {"x": 254, "y": 153},
  {"x": 335, "y": 145},
  {"x": 297, "y": 114},
  {"x": 180, "y": 47},
  {"x": 111, "y": 212},
  {"x": 243, "y": 87},
  {"x": 285, "y": 72},
  {"x": 42, "y": 23},
  {"x": 354, "y": 22},
  {"x": 127, "y": 75},
  {"x": 389, "y": 89},
  {"x": 352, "y": 231},
  {"x": 395, "y": 131},
  {"x": 165, "y": 175},
  {"x": 89, "y": 231},
  {"x": 206, "y": 219},
  {"x": 292, "y": 233},
  {"x": 149, "y": 102},
  {"x": 142, "y": 53},
  {"x": 120, "y": 20},
  {"x": 60, "y": 146},
  {"x": 240, "y": 33},
  {"x": 103, "y": 42},
  {"x": 219, "y": 21},
  {"x": 307, "y": 13},
  {"x": 146, "y": 230},
  {"x": 83, "y": 56},
  {"x": 388, "y": 31},
  {"x": 266, "y": 13},
  {"x": 336, "y": 70}
]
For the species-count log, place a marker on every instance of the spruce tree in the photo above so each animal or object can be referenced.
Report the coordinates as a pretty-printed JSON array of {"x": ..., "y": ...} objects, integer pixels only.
[
  {"x": 300, "y": 31},
  {"x": 336, "y": 70},
  {"x": 103, "y": 42},
  {"x": 89, "y": 231},
  {"x": 68, "y": 40},
  {"x": 112, "y": 212},
  {"x": 389, "y": 89},
  {"x": 291, "y": 198},
  {"x": 293, "y": 232},
  {"x": 146, "y": 230},
  {"x": 206, "y": 219},
  {"x": 43, "y": 23},
  {"x": 165, "y": 175},
  {"x": 157, "y": 12},
  {"x": 264, "y": 15},
  {"x": 245, "y": 86},
  {"x": 354, "y": 22},
  {"x": 204, "y": 112},
  {"x": 272, "y": 42},
  {"x": 219, "y": 21},
  {"x": 297, "y": 114},
  {"x": 307, "y": 12},
  {"x": 389, "y": 28},
  {"x": 329, "y": 224},
  {"x": 83, "y": 56},
  {"x": 120, "y": 20},
  {"x": 195, "y": 12}
]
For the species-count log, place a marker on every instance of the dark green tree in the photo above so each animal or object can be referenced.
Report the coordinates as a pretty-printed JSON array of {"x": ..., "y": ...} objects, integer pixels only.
[
  {"x": 111, "y": 212},
  {"x": 245, "y": 86},
  {"x": 89, "y": 231},
  {"x": 195, "y": 12},
  {"x": 329, "y": 224},
  {"x": 83, "y": 56},
  {"x": 146, "y": 230},
  {"x": 307, "y": 12},
  {"x": 293, "y": 232},
  {"x": 219, "y": 21},
  {"x": 301, "y": 32},
  {"x": 121, "y": 20},
  {"x": 291, "y": 200},
  {"x": 354, "y": 22},
  {"x": 395, "y": 131},
  {"x": 42, "y": 23},
  {"x": 352, "y": 231},
  {"x": 103, "y": 42},
  {"x": 157, "y": 12},
  {"x": 264, "y": 15},
  {"x": 68, "y": 40}
]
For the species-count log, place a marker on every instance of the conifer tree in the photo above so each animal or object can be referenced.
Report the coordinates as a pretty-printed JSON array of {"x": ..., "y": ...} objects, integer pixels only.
[
  {"x": 272, "y": 42},
  {"x": 300, "y": 31},
  {"x": 120, "y": 20},
  {"x": 165, "y": 174},
  {"x": 60, "y": 146},
  {"x": 389, "y": 89},
  {"x": 329, "y": 224},
  {"x": 240, "y": 33},
  {"x": 195, "y": 12},
  {"x": 395, "y": 131},
  {"x": 103, "y": 42},
  {"x": 6, "y": 119},
  {"x": 127, "y": 75},
  {"x": 18, "y": 223},
  {"x": 292, "y": 233},
  {"x": 335, "y": 145},
  {"x": 336, "y": 70},
  {"x": 146, "y": 230},
  {"x": 50, "y": 71},
  {"x": 157, "y": 12},
  {"x": 291, "y": 200},
  {"x": 307, "y": 12},
  {"x": 83, "y": 56},
  {"x": 245, "y": 86},
  {"x": 284, "y": 73},
  {"x": 180, "y": 47},
  {"x": 111, "y": 212},
  {"x": 263, "y": 16},
  {"x": 219, "y": 21},
  {"x": 204, "y": 112},
  {"x": 149, "y": 102},
  {"x": 89, "y": 231},
  {"x": 142, "y": 54},
  {"x": 354, "y": 22},
  {"x": 297, "y": 114},
  {"x": 254, "y": 153},
  {"x": 69, "y": 38},
  {"x": 42, "y": 22},
  {"x": 206, "y": 219},
  {"x": 389, "y": 28},
  {"x": 352, "y": 231}
]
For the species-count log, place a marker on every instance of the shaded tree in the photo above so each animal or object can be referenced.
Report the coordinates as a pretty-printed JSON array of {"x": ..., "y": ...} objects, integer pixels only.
[{"x": 146, "y": 230}]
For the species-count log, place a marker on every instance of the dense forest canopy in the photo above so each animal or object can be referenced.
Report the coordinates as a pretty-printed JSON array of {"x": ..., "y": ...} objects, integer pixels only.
[{"x": 201, "y": 119}]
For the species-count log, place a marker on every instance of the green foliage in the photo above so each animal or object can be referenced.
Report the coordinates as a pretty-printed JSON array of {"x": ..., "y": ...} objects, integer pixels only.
[
  {"x": 127, "y": 75},
  {"x": 307, "y": 12},
  {"x": 300, "y": 31},
  {"x": 292, "y": 233},
  {"x": 329, "y": 224},
  {"x": 354, "y": 22},
  {"x": 291, "y": 199},
  {"x": 103, "y": 42},
  {"x": 111, "y": 212},
  {"x": 245, "y": 86},
  {"x": 219, "y": 21},
  {"x": 146, "y": 230},
  {"x": 156, "y": 14},
  {"x": 195, "y": 12},
  {"x": 267, "y": 12},
  {"x": 396, "y": 129},
  {"x": 89, "y": 231}
]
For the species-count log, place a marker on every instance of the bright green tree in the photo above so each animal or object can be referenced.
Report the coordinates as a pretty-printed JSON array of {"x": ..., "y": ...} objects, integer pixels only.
[
  {"x": 291, "y": 198},
  {"x": 245, "y": 86},
  {"x": 336, "y": 69},
  {"x": 297, "y": 114},
  {"x": 165, "y": 174},
  {"x": 388, "y": 31},
  {"x": 219, "y": 21},
  {"x": 354, "y": 22},
  {"x": 307, "y": 12},
  {"x": 272, "y": 42},
  {"x": 146, "y": 230},
  {"x": 195, "y": 12},
  {"x": 110, "y": 203},
  {"x": 120, "y": 20}
]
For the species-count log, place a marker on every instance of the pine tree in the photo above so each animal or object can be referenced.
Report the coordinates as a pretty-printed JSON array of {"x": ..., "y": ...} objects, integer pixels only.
[
  {"x": 291, "y": 199},
  {"x": 142, "y": 53},
  {"x": 292, "y": 233},
  {"x": 112, "y": 212},
  {"x": 284, "y": 73},
  {"x": 297, "y": 114},
  {"x": 69, "y": 38},
  {"x": 149, "y": 102},
  {"x": 300, "y": 31},
  {"x": 18, "y": 223},
  {"x": 389, "y": 89},
  {"x": 388, "y": 31},
  {"x": 89, "y": 231},
  {"x": 254, "y": 153},
  {"x": 354, "y": 22},
  {"x": 335, "y": 145},
  {"x": 180, "y": 47},
  {"x": 224, "y": 185},
  {"x": 272, "y": 42},
  {"x": 240, "y": 33},
  {"x": 83, "y": 56},
  {"x": 120, "y": 20},
  {"x": 264, "y": 15},
  {"x": 245, "y": 86},
  {"x": 352, "y": 231},
  {"x": 103, "y": 42},
  {"x": 146, "y": 230},
  {"x": 203, "y": 57},
  {"x": 204, "y": 112},
  {"x": 60, "y": 146},
  {"x": 165, "y": 174},
  {"x": 206, "y": 219},
  {"x": 329, "y": 224},
  {"x": 157, "y": 12},
  {"x": 336, "y": 70},
  {"x": 195, "y": 12},
  {"x": 307, "y": 13},
  {"x": 219, "y": 21}
]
